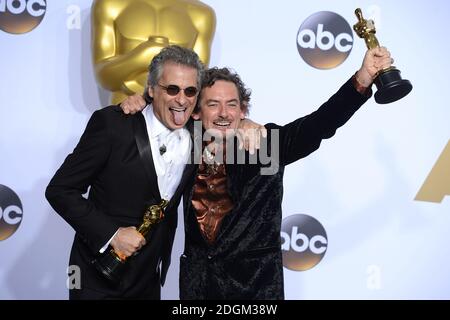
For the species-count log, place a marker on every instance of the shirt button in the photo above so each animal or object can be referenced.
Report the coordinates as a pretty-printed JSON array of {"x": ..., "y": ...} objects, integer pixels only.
[
  {"x": 209, "y": 257},
  {"x": 211, "y": 187}
]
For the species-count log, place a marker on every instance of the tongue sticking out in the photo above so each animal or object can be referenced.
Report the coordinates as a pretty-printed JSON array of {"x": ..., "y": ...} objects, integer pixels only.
[{"x": 178, "y": 117}]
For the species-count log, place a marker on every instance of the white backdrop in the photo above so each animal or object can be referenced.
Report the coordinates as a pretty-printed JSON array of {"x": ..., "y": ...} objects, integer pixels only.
[{"x": 360, "y": 184}]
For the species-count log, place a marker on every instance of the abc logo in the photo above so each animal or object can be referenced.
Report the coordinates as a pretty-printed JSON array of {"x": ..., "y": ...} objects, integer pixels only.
[
  {"x": 21, "y": 16},
  {"x": 10, "y": 212},
  {"x": 304, "y": 242},
  {"x": 324, "y": 40}
]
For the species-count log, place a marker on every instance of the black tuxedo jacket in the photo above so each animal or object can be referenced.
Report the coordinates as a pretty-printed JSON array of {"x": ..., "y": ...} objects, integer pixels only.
[
  {"x": 246, "y": 260},
  {"x": 114, "y": 158}
]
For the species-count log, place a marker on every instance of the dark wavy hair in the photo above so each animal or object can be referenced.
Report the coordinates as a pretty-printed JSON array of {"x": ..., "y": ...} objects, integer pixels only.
[{"x": 210, "y": 76}]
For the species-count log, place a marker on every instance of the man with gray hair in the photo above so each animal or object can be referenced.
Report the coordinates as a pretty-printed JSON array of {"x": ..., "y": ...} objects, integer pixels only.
[{"x": 130, "y": 162}]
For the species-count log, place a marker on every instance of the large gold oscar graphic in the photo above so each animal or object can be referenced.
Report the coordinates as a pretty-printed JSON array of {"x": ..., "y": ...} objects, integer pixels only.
[
  {"x": 390, "y": 85},
  {"x": 111, "y": 263},
  {"x": 126, "y": 35}
]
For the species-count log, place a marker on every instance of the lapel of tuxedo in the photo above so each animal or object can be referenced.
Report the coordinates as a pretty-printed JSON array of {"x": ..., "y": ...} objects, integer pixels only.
[
  {"x": 188, "y": 179},
  {"x": 145, "y": 152}
]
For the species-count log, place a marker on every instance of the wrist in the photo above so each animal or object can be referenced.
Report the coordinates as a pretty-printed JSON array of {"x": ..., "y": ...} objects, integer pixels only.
[
  {"x": 363, "y": 78},
  {"x": 363, "y": 87}
]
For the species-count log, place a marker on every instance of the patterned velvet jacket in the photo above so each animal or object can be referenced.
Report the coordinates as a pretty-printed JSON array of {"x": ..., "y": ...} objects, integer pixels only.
[{"x": 245, "y": 262}]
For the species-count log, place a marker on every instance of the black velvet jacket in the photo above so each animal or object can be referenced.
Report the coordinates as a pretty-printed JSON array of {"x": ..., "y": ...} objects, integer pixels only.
[{"x": 246, "y": 260}]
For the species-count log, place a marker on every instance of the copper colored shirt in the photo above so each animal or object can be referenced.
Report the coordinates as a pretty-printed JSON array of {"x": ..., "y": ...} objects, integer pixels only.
[{"x": 211, "y": 199}]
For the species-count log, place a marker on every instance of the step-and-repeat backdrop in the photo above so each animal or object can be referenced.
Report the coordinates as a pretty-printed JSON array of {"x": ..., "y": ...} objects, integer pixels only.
[{"x": 367, "y": 216}]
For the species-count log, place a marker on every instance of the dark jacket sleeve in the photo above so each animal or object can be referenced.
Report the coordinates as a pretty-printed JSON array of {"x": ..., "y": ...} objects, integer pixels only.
[
  {"x": 304, "y": 135},
  {"x": 79, "y": 170}
]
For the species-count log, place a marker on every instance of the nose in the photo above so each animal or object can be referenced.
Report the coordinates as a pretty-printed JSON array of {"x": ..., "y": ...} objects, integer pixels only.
[
  {"x": 181, "y": 98},
  {"x": 223, "y": 112}
]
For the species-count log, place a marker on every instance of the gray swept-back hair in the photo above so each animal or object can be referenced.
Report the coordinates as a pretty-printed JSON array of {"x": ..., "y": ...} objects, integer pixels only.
[{"x": 175, "y": 54}]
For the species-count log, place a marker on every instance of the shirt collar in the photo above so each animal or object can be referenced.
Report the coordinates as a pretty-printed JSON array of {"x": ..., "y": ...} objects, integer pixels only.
[{"x": 156, "y": 127}]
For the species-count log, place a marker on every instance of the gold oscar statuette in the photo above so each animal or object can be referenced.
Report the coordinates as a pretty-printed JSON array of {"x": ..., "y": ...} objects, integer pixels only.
[
  {"x": 112, "y": 264},
  {"x": 127, "y": 34},
  {"x": 390, "y": 85}
]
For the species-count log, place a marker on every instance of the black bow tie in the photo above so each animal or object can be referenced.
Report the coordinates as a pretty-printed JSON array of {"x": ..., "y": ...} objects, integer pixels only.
[{"x": 162, "y": 149}]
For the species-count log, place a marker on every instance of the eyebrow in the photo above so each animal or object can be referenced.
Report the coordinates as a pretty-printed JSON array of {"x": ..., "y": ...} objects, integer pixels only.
[{"x": 217, "y": 101}]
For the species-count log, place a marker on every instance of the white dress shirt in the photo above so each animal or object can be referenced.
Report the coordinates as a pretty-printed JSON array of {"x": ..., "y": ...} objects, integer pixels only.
[{"x": 170, "y": 165}]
